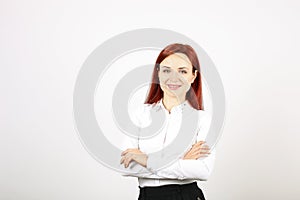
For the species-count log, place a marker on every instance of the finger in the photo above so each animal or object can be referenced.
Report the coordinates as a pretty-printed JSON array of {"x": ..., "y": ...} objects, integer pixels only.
[
  {"x": 204, "y": 153},
  {"x": 205, "y": 146},
  {"x": 200, "y": 152},
  {"x": 196, "y": 148},
  {"x": 201, "y": 142},
  {"x": 202, "y": 147},
  {"x": 127, "y": 161},
  {"x": 204, "y": 150},
  {"x": 195, "y": 152},
  {"x": 127, "y": 151},
  {"x": 124, "y": 152},
  {"x": 198, "y": 143},
  {"x": 122, "y": 160},
  {"x": 203, "y": 156}
]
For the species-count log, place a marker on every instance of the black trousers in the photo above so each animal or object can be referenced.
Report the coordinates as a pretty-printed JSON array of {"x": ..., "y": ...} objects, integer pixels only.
[{"x": 189, "y": 191}]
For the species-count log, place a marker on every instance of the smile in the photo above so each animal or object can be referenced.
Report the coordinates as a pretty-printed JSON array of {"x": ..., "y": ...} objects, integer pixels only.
[{"x": 173, "y": 87}]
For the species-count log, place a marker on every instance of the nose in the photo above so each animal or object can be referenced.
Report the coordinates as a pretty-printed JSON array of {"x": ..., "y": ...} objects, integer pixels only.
[{"x": 174, "y": 75}]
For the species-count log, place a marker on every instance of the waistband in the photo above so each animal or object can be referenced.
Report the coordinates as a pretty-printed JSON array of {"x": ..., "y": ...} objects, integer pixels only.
[{"x": 156, "y": 190}]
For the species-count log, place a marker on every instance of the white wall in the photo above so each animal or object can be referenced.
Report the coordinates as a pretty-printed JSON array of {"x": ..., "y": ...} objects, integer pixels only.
[{"x": 254, "y": 45}]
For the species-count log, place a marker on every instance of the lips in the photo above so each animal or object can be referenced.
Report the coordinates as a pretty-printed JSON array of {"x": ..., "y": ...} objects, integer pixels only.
[{"x": 173, "y": 87}]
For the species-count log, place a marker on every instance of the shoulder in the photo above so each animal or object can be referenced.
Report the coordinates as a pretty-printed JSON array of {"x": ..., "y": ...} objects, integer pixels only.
[
  {"x": 204, "y": 117},
  {"x": 204, "y": 122},
  {"x": 203, "y": 114},
  {"x": 139, "y": 114}
]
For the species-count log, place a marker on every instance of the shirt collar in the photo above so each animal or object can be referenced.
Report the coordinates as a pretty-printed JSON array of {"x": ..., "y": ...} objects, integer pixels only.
[{"x": 177, "y": 108}]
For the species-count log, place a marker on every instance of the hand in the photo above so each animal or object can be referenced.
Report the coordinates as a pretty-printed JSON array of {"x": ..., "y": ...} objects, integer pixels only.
[
  {"x": 198, "y": 150},
  {"x": 136, "y": 155}
]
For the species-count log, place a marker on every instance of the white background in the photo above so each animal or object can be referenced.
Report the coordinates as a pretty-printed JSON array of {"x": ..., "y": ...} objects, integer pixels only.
[{"x": 254, "y": 44}]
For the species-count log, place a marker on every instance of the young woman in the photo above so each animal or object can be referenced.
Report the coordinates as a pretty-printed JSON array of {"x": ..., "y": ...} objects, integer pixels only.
[{"x": 176, "y": 85}]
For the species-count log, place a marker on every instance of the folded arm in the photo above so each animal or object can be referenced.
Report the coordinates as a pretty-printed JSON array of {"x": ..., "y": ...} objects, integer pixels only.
[{"x": 188, "y": 167}]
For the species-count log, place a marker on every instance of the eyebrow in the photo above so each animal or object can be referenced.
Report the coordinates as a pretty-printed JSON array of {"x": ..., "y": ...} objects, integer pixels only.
[{"x": 178, "y": 67}]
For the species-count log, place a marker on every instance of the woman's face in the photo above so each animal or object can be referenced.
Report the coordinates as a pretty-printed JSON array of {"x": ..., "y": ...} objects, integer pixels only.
[{"x": 176, "y": 75}]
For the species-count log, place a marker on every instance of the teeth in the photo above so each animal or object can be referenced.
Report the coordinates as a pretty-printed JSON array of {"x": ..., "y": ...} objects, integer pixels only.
[{"x": 173, "y": 87}]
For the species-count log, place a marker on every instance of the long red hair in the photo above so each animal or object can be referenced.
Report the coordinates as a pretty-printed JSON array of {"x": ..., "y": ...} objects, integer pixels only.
[{"x": 155, "y": 93}]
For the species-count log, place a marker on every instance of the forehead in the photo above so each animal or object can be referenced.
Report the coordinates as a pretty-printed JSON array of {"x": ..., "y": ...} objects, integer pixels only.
[{"x": 177, "y": 60}]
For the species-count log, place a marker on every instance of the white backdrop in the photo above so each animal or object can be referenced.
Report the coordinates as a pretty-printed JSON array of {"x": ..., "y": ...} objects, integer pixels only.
[{"x": 254, "y": 45}]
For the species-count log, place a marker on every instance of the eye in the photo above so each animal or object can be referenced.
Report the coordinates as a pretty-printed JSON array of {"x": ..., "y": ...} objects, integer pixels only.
[
  {"x": 183, "y": 71},
  {"x": 166, "y": 71}
]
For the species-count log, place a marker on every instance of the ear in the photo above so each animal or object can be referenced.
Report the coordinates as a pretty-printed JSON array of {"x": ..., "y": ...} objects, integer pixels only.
[{"x": 195, "y": 76}]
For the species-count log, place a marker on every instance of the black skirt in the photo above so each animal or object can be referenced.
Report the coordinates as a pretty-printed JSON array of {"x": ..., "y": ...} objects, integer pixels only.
[{"x": 189, "y": 191}]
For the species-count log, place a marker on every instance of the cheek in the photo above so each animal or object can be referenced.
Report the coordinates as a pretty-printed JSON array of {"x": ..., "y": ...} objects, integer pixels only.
[
  {"x": 186, "y": 80},
  {"x": 190, "y": 79},
  {"x": 161, "y": 78}
]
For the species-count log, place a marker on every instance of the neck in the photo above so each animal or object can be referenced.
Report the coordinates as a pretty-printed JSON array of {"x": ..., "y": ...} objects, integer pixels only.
[{"x": 170, "y": 102}]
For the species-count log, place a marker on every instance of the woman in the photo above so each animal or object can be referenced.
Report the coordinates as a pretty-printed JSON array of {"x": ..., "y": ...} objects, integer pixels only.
[{"x": 176, "y": 84}]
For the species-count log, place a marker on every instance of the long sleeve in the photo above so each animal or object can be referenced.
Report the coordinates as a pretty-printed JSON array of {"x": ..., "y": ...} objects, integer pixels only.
[
  {"x": 188, "y": 169},
  {"x": 181, "y": 169},
  {"x": 137, "y": 116},
  {"x": 134, "y": 168}
]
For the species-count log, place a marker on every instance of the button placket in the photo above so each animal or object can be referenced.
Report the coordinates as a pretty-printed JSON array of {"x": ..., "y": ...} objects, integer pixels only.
[{"x": 167, "y": 129}]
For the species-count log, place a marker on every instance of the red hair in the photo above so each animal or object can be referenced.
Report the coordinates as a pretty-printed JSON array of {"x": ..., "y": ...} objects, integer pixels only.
[{"x": 155, "y": 92}]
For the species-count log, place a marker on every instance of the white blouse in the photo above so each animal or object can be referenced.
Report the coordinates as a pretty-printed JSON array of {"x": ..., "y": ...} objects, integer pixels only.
[{"x": 181, "y": 171}]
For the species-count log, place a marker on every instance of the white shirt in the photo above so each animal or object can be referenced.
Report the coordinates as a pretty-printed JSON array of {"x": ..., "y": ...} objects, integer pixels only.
[{"x": 181, "y": 171}]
